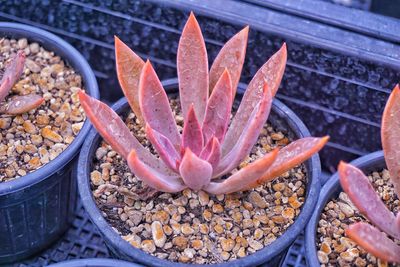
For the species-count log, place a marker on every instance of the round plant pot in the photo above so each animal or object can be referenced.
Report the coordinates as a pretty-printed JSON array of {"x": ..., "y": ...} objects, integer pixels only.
[
  {"x": 37, "y": 208},
  {"x": 331, "y": 190},
  {"x": 281, "y": 117},
  {"x": 95, "y": 263}
]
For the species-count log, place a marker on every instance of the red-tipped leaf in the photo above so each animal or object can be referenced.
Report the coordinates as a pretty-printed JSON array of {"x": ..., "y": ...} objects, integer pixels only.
[
  {"x": 153, "y": 178},
  {"x": 291, "y": 156},
  {"x": 22, "y": 104},
  {"x": 271, "y": 73},
  {"x": 164, "y": 147},
  {"x": 212, "y": 152},
  {"x": 11, "y": 74},
  {"x": 230, "y": 57},
  {"x": 374, "y": 242},
  {"x": 129, "y": 66},
  {"x": 155, "y": 107},
  {"x": 115, "y": 133},
  {"x": 391, "y": 137},
  {"x": 240, "y": 180},
  {"x": 362, "y": 194},
  {"x": 248, "y": 137},
  {"x": 195, "y": 172},
  {"x": 218, "y": 109},
  {"x": 192, "y": 136},
  {"x": 192, "y": 65}
]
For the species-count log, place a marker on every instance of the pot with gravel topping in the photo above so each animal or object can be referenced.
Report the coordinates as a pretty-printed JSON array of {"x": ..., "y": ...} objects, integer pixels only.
[
  {"x": 42, "y": 127},
  {"x": 326, "y": 242},
  {"x": 198, "y": 227},
  {"x": 361, "y": 225}
]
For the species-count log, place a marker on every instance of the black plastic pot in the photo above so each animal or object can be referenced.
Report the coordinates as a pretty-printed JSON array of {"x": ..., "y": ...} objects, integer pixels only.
[
  {"x": 36, "y": 209},
  {"x": 368, "y": 163},
  {"x": 95, "y": 263},
  {"x": 281, "y": 117}
]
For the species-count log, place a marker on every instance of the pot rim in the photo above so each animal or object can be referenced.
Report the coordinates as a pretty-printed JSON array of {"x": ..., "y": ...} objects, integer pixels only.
[
  {"x": 266, "y": 254},
  {"x": 71, "y": 56},
  {"x": 331, "y": 188}
]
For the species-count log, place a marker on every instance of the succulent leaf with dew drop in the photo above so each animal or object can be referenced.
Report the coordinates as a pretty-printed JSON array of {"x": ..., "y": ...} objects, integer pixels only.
[
  {"x": 207, "y": 148},
  {"x": 17, "y": 104},
  {"x": 368, "y": 202}
]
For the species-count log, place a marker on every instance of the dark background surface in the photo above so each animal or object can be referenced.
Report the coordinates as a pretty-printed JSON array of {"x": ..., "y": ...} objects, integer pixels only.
[
  {"x": 342, "y": 65},
  {"x": 337, "y": 78}
]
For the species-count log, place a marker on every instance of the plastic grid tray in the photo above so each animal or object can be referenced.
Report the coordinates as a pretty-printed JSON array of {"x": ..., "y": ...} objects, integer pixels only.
[{"x": 83, "y": 241}]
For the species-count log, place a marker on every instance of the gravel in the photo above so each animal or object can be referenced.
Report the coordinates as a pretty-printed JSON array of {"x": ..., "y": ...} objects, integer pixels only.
[{"x": 30, "y": 140}]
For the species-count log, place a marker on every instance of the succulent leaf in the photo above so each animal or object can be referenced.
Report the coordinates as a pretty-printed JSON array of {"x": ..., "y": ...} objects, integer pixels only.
[
  {"x": 271, "y": 73},
  {"x": 192, "y": 64},
  {"x": 129, "y": 67},
  {"x": 195, "y": 172},
  {"x": 164, "y": 147},
  {"x": 155, "y": 107},
  {"x": 248, "y": 137},
  {"x": 218, "y": 109},
  {"x": 291, "y": 156},
  {"x": 391, "y": 137},
  {"x": 240, "y": 180},
  {"x": 12, "y": 74},
  {"x": 362, "y": 194},
  {"x": 212, "y": 152},
  {"x": 116, "y": 133},
  {"x": 230, "y": 57},
  {"x": 21, "y": 104},
  {"x": 192, "y": 135},
  {"x": 374, "y": 241},
  {"x": 153, "y": 178}
]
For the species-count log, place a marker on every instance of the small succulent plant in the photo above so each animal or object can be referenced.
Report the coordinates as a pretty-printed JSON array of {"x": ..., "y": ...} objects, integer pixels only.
[
  {"x": 368, "y": 202},
  {"x": 21, "y": 103},
  {"x": 208, "y": 147}
]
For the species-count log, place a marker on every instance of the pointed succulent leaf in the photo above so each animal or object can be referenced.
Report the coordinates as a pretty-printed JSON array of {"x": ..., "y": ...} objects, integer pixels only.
[
  {"x": 291, "y": 156},
  {"x": 11, "y": 74},
  {"x": 391, "y": 137},
  {"x": 129, "y": 66},
  {"x": 115, "y": 133},
  {"x": 230, "y": 57},
  {"x": 362, "y": 194},
  {"x": 240, "y": 180},
  {"x": 164, "y": 147},
  {"x": 155, "y": 107},
  {"x": 195, "y": 172},
  {"x": 192, "y": 65},
  {"x": 192, "y": 136},
  {"x": 374, "y": 241},
  {"x": 398, "y": 220},
  {"x": 218, "y": 109},
  {"x": 212, "y": 152},
  {"x": 21, "y": 104},
  {"x": 153, "y": 178},
  {"x": 271, "y": 73},
  {"x": 248, "y": 137}
]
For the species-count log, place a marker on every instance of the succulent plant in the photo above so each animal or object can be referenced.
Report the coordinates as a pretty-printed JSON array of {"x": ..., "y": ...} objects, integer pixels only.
[
  {"x": 368, "y": 202},
  {"x": 208, "y": 147},
  {"x": 21, "y": 103}
]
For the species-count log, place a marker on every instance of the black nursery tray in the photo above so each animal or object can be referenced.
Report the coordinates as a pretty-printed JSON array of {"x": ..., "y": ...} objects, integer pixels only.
[
  {"x": 340, "y": 70},
  {"x": 339, "y": 74},
  {"x": 80, "y": 241}
]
